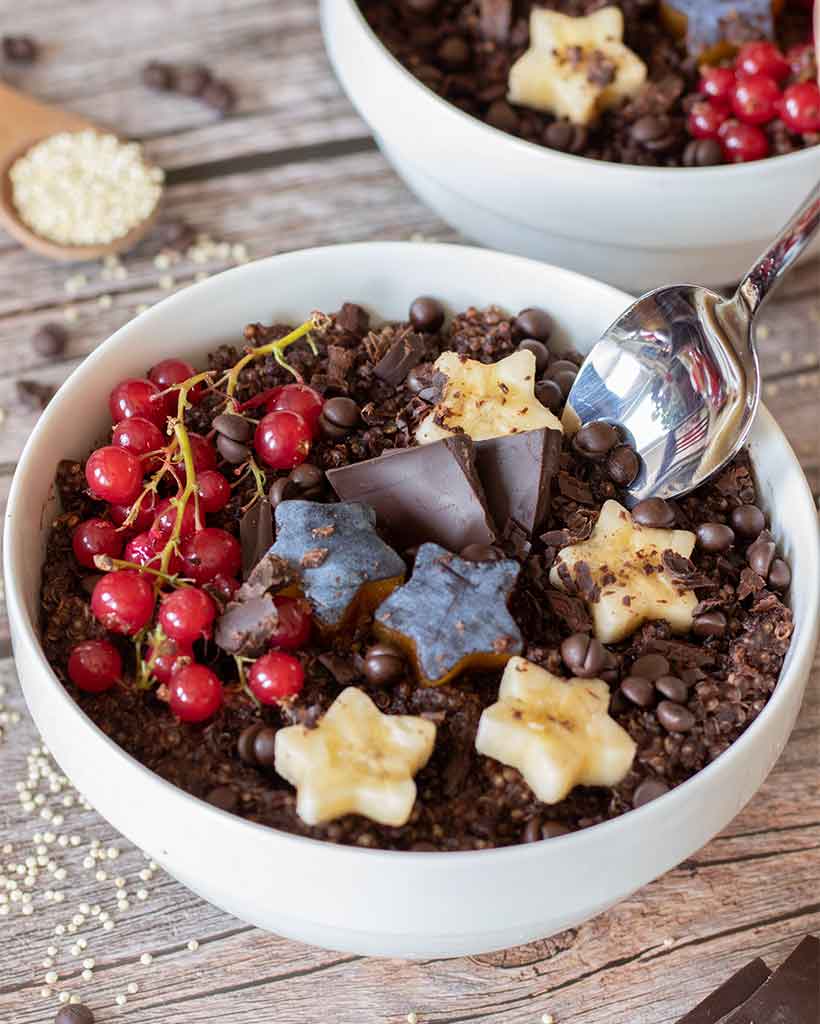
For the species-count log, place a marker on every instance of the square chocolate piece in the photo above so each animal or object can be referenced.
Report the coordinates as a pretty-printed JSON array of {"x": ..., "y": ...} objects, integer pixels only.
[{"x": 516, "y": 471}]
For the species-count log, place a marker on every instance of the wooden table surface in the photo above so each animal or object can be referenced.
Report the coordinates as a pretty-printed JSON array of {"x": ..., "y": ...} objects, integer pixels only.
[{"x": 294, "y": 166}]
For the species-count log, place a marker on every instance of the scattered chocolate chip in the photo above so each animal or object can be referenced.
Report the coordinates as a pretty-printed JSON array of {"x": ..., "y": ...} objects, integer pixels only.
[
  {"x": 712, "y": 623},
  {"x": 264, "y": 747},
  {"x": 672, "y": 688},
  {"x": 650, "y": 129},
  {"x": 649, "y": 789},
  {"x": 639, "y": 690},
  {"x": 219, "y": 95},
  {"x": 49, "y": 340},
  {"x": 157, "y": 75},
  {"x": 237, "y": 428},
  {"x": 655, "y": 513},
  {"x": 421, "y": 6},
  {"x": 20, "y": 49},
  {"x": 715, "y": 537},
  {"x": 563, "y": 373},
  {"x": 565, "y": 137},
  {"x": 232, "y": 451},
  {"x": 622, "y": 465},
  {"x": 748, "y": 521},
  {"x": 306, "y": 481},
  {"x": 33, "y": 395},
  {"x": 342, "y": 668},
  {"x": 453, "y": 53},
  {"x": 383, "y": 664},
  {"x": 481, "y": 553},
  {"x": 244, "y": 745},
  {"x": 780, "y": 575},
  {"x": 554, "y": 829},
  {"x": 703, "y": 153},
  {"x": 502, "y": 116},
  {"x": 339, "y": 416},
  {"x": 595, "y": 439},
  {"x": 281, "y": 490},
  {"x": 193, "y": 81},
  {"x": 760, "y": 555},
  {"x": 550, "y": 394},
  {"x": 223, "y": 797},
  {"x": 583, "y": 655},
  {"x": 674, "y": 717},
  {"x": 539, "y": 350},
  {"x": 651, "y": 666},
  {"x": 533, "y": 323},
  {"x": 426, "y": 314}
]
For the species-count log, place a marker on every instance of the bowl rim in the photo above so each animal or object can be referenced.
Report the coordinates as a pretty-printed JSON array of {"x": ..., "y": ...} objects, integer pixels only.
[
  {"x": 23, "y": 627},
  {"x": 531, "y": 150}
]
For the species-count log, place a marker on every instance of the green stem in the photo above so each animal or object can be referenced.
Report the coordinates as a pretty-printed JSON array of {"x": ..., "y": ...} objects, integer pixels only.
[{"x": 272, "y": 348}]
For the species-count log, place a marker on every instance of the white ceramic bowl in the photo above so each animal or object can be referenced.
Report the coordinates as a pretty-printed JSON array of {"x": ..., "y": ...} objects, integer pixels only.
[
  {"x": 376, "y": 902},
  {"x": 635, "y": 227}
]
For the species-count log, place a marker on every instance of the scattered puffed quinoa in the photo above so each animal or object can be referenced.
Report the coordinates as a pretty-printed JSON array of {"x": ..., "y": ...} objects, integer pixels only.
[
  {"x": 120, "y": 999},
  {"x": 146, "y": 959},
  {"x": 547, "y": 1018},
  {"x": 193, "y": 945},
  {"x": 133, "y": 988}
]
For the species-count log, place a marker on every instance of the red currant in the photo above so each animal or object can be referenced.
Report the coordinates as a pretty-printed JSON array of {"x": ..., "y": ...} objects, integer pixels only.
[
  {"x": 299, "y": 398},
  {"x": 282, "y": 439},
  {"x": 755, "y": 100},
  {"x": 743, "y": 142},
  {"x": 114, "y": 475},
  {"x": 168, "y": 658},
  {"x": 203, "y": 452},
  {"x": 187, "y": 615},
  {"x": 761, "y": 58},
  {"x": 800, "y": 108},
  {"x": 705, "y": 119},
  {"x": 174, "y": 371},
  {"x": 213, "y": 490},
  {"x": 145, "y": 516},
  {"x": 136, "y": 397},
  {"x": 139, "y": 436},
  {"x": 94, "y": 665},
  {"x": 96, "y": 537},
  {"x": 293, "y": 629},
  {"x": 275, "y": 676},
  {"x": 140, "y": 549},
  {"x": 166, "y": 518},
  {"x": 211, "y": 552},
  {"x": 717, "y": 84},
  {"x": 123, "y": 601},
  {"x": 223, "y": 587},
  {"x": 195, "y": 693}
]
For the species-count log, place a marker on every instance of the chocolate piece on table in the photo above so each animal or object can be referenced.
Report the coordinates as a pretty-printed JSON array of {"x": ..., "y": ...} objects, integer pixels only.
[
  {"x": 516, "y": 471},
  {"x": 357, "y": 569},
  {"x": 429, "y": 493},
  {"x": 790, "y": 996},
  {"x": 730, "y": 995},
  {"x": 255, "y": 534},
  {"x": 403, "y": 355},
  {"x": 452, "y": 615}
]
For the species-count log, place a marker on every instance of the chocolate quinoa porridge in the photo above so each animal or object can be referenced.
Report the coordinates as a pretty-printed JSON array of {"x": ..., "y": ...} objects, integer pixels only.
[
  {"x": 647, "y": 82},
  {"x": 379, "y": 616}
]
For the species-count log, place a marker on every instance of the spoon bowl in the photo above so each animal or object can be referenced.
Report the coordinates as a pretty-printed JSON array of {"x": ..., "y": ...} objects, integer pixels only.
[{"x": 679, "y": 374}]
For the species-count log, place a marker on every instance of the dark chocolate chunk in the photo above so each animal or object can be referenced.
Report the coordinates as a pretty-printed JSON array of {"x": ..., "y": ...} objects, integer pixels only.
[
  {"x": 20, "y": 49},
  {"x": 405, "y": 353},
  {"x": 245, "y": 627},
  {"x": 481, "y": 553},
  {"x": 731, "y": 994},
  {"x": 50, "y": 340},
  {"x": 157, "y": 75},
  {"x": 790, "y": 995},
  {"x": 353, "y": 319},
  {"x": 357, "y": 569},
  {"x": 33, "y": 395},
  {"x": 452, "y": 614},
  {"x": 255, "y": 534},
  {"x": 428, "y": 493},
  {"x": 516, "y": 471},
  {"x": 342, "y": 668},
  {"x": 270, "y": 574}
]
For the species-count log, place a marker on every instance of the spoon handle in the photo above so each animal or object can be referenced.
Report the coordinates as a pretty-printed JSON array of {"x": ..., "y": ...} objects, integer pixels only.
[{"x": 771, "y": 267}]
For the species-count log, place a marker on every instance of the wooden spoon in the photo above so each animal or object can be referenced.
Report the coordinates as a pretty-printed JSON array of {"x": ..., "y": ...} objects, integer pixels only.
[{"x": 23, "y": 123}]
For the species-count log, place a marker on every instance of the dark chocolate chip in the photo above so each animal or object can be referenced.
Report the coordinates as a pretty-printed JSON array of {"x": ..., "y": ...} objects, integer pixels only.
[
  {"x": 780, "y": 575},
  {"x": 639, "y": 690},
  {"x": 703, "y": 153},
  {"x": 223, "y": 797},
  {"x": 672, "y": 688},
  {"x": 623, "y": 465},
  {"x": 748, "y": 521},
  {"x": 421, "y": 6},
  {"x": 539, "y": 350},
  {"x": 193, "y": 81},
  {"x": 595, "y": 439},
  {"x": 654, "y": 512},
  {"x": 339, "y": 416},
  {"x": 220, "y": 96},
  {"x": 281, "y": 490},
  {"x": 712, "y": 623},
  {"x": 760, "y": 556},
  {"x": 651, "y": 666},
  {"x": 674, "y": 717},
  {"x": 237, "y": 428},
  {"x": 157, "y": 75},
  {"x": 532, "y": 831},
  {"x": 583, "y": 655},
  {"x": 550, "y": 394},
  {"x": 533, "y": 323},
  {"x": 50, "y": 340},
  {"x": 426, "y": 314},
  {"x": 383, "y": 664},
  {"x": 33, "y": 395},
  {"x": 454, "y": 53},
  {"x": 650, "y": 128},
  {"x": 264, "y": 747},
  {"x": 565, "y": 137},
  {"x": 649, "y": 789},
  {"x": 481, "y": 553},
  {"x": 232, "y": 451},
  {"x": 502, "y": 116},
  {"x": 563, "y": 372},
  {"x": 553, "y": 829},
  {"x": 244, "y": 745},
  {"x": 20, "y": 49},
  {"x": 715, "y": 537},
  {"x": 307, "y": 481}
]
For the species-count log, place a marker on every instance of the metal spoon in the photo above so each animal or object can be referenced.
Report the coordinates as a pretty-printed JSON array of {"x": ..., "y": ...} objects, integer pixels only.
[{"x": 679, "y": 373}]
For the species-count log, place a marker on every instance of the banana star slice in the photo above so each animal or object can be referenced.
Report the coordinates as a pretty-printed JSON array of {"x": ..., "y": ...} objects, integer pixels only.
[
  {"x": 576, "y": 67},
  {"x": 486, "y": 400},
  {"x": 556, "y": 732},
  {"x": 620, "y": 573},
  {"x": 355, "y": 761}
]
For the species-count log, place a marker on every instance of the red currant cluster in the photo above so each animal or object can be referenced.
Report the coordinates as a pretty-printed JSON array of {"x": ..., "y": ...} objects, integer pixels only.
[
  {"x": 161, "y": 555},
  {"x": 740, "y": 99}
]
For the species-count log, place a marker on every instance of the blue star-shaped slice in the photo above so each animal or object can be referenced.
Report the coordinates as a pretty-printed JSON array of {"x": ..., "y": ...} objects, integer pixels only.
[
  {"x": 452, "y": 615},
  {"x": 346, "y": 568}
]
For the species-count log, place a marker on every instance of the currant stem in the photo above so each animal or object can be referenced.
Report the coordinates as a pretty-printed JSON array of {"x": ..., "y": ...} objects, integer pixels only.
[
  {"x": 274, "y": 348},
  {"x": 105, "y": 563}
]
